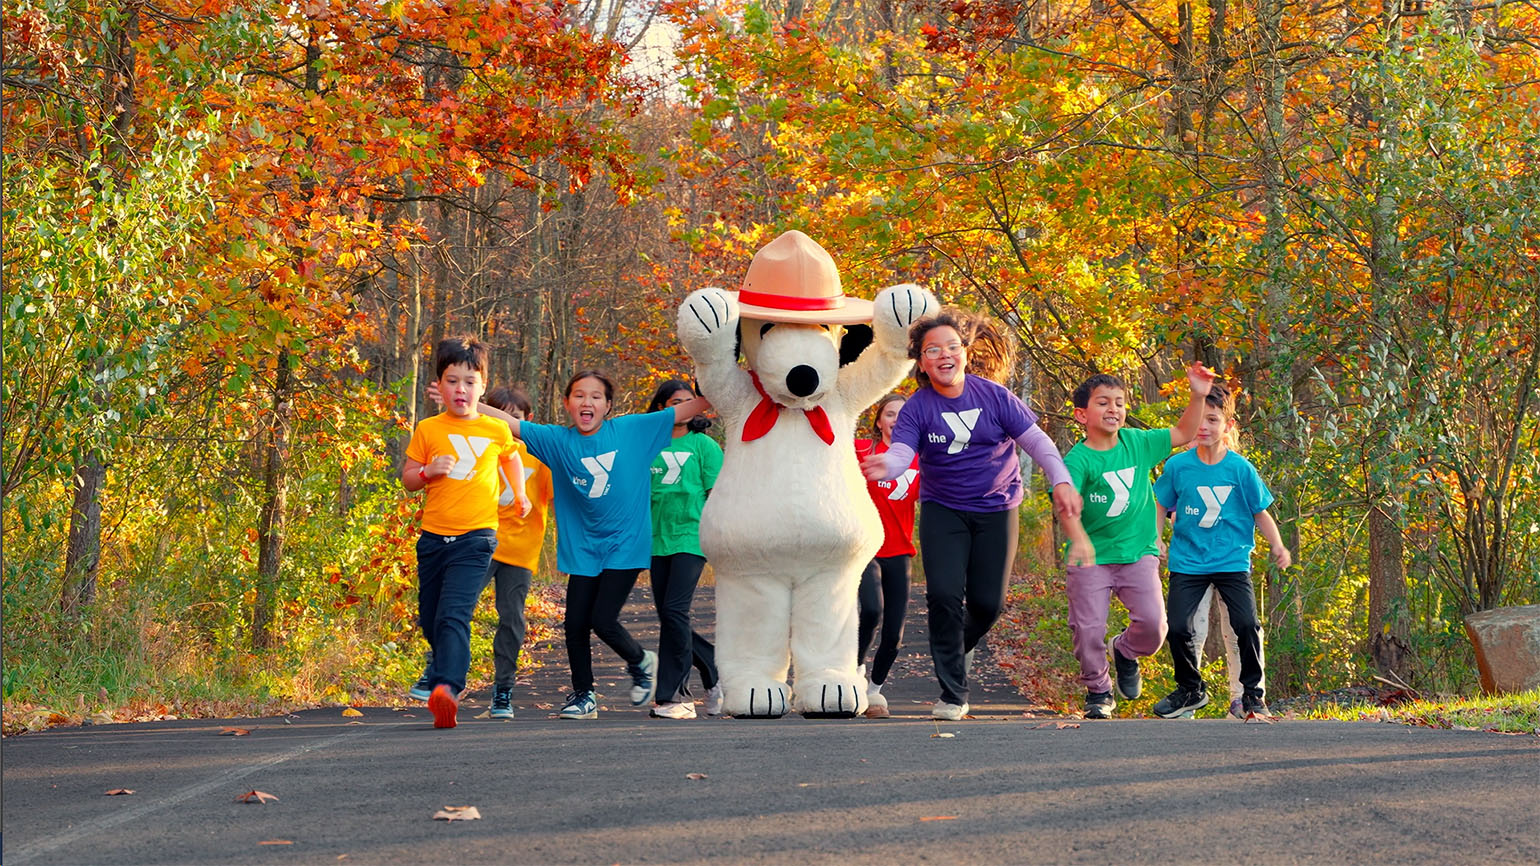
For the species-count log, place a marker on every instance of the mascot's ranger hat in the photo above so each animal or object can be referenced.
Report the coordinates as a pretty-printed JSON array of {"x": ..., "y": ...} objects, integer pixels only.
[{"x": 792, "y": 279}]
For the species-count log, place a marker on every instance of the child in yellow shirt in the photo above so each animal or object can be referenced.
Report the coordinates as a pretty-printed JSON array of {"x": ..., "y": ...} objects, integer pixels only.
[{"x": 456, "y": 456}]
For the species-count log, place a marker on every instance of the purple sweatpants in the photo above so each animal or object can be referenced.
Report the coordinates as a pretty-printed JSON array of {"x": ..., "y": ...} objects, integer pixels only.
[{"x": 1137, "y": 585}]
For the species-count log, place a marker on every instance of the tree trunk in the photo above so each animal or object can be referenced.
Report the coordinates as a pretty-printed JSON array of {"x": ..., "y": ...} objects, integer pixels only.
[
  {"x": 275, "y": 489},
  {"x": 82, "y": 557}
]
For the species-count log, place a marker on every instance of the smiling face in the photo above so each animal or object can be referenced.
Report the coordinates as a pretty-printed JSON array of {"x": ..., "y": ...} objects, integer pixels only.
[
  {"x": 887, "y": 417},
  {"x": 1104, "y": 412},
  {"x": 944, "y": 358},
  {"x": 587, "y": 403},
  {"x": 461, "y": 387},
  {"x": 1214, "y": 429}
]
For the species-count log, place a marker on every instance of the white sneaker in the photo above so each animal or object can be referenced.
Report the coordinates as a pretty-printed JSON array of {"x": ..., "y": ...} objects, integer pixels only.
[
  {"x": 673, "y": 711},
  {"x": 644, "y": 682},
  {"x": 948, "y": 712},
  {"x": 714, "y": 700}
]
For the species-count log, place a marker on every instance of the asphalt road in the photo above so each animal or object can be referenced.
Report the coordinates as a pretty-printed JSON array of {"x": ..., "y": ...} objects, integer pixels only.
[{"x": 1003, "y": 788}]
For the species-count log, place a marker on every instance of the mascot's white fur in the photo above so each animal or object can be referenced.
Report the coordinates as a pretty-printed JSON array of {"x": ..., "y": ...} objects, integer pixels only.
[{"x": 789, "y": 525}]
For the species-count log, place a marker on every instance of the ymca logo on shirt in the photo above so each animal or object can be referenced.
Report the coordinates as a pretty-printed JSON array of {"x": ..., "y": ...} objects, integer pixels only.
[
  {"x": 961, "y": 424},
  {"x": 507, "y": 497},
  {"x": 467, "y": 449},
  {"x": 1213, "y": 499},
  {"x": 675, "y": 461},
  {"x": 599, "y": 467},
  {"x": 1122, "y": 483},
  {"x": 898, "y": 488}
]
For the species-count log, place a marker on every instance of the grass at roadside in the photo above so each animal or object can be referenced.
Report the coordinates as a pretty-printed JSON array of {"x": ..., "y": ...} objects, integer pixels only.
[{"x": 1505, "y": 714}]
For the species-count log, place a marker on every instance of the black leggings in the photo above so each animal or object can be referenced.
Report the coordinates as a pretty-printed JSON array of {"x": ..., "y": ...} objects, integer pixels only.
[
  {"x": 885, "y": 601},
  {"x": 673, "y": 588},
  {"x": 593, "y": 604},
  {"x": 967, "y": 556}
]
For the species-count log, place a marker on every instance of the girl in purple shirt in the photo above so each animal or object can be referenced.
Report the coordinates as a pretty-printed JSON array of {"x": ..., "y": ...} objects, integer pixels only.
[{"x": 965, "y": 430}]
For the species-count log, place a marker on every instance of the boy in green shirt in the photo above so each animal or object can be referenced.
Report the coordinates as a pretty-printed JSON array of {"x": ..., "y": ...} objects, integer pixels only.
[{"x": 1111, "y": 468}]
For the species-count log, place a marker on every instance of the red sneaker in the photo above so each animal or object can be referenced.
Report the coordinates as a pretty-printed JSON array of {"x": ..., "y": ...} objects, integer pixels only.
[{"x": 444, "y": 706}]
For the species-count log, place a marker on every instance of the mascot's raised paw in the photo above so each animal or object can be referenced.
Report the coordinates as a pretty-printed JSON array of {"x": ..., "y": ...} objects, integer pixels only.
[
  {"x": 838, "y": 698},
  {"x": 763, "y": 700},
  {"x": 708, "y": 324},
  {"x": 898, "y": 307}
]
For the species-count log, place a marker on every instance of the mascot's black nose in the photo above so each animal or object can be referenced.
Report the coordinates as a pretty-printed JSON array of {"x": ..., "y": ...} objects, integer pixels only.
[{"x": 802, "y": 380}]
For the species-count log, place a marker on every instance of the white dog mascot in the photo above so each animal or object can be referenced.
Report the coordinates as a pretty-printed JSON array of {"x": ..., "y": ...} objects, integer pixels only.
[{"x": 789, "y": 526}]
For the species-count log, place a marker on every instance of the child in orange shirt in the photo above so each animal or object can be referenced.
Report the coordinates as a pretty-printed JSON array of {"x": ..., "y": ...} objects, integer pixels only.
[{"x": 456, "y": 456}]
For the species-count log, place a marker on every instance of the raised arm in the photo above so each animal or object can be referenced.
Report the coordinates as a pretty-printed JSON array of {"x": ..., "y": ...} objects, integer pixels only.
[
  {"x": 690, "y": 408},
  {"x": 885, "y": 362},
  {"x": 1199, "y": 380},
  {"x": 708, "y": 330},
  {"x": 1039, "y": 446},
  {"x": 512, "y": 422}
]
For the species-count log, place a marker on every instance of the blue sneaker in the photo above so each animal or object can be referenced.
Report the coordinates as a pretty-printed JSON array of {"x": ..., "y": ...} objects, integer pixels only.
[
  {"x": 581, "y": 706},
  {"x": 644, "y": 680},
  {"x": 421, "y": 689},
  {"x": 502, "y": 702}
]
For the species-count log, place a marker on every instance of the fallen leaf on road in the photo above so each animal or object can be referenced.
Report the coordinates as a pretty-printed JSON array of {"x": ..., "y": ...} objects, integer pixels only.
[
  {"x": 275, "y": 842},
  {"x": 351, "y": 713},
  {"x": 234, "y": 732},
  {"x": 116, "y": 792},
  {"x": 255, "y": 797},
  {"x": 410, "y": 716},
  {"x": 457, "y": 813},
  {"x": 1062, "y": 725},
  {"x": 1253, "y": 717},
  {"x": 696, "y": 776},
  {"x": 938, "y": 818},
  {"x": 484, "y": 714},
  {"x": 545, "y": 706},
  {"x": 942, "y": 736}
]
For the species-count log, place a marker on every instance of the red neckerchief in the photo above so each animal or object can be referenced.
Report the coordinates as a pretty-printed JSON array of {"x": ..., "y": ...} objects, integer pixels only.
[{"x": 764, "y": 416}]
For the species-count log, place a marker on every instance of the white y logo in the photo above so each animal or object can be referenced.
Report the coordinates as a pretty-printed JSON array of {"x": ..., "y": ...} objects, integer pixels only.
[
  {"x": 507, "y": 497},
  {"x": 962, "y": 428},
  {"x": 467, "y": 449},
  {"x": 676, "y": 461},
  {"x": 902, "y": 482},
  {"x": 1121, "y": 481},
  {"x": 1213, "y": 498},
  {"x": 599, "y": 467}
]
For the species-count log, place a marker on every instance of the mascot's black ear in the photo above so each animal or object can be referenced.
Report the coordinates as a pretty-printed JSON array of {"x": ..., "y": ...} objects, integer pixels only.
[{"x": 855, "y": 341}]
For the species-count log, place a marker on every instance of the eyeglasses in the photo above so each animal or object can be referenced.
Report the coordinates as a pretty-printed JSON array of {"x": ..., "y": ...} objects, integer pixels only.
[{"x": 934, "y": 352}]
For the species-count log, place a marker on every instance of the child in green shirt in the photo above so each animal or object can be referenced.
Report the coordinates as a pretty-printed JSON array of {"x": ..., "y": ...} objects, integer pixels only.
[{"x": 1111, "y": 468}]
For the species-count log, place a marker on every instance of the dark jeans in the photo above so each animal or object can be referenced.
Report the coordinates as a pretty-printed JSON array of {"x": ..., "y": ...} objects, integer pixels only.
[
  {"x": 593, "y": 605},
  {"x": 673, "y": 589},
  {"x": 510, "y": 585},
  {"x": 451, "y": 573},
  {"x": 1182, "y": 599},
  {"x": 967, "y": 556},
  {"x": 884, "y": 599}
]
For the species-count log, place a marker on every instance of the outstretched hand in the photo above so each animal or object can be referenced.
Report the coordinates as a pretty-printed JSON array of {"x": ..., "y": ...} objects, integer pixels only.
[{"x": 874, "y": 467}]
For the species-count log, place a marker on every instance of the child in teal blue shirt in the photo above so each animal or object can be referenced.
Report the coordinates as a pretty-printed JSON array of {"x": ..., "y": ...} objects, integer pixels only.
[{"x": 1219, "y": 503}]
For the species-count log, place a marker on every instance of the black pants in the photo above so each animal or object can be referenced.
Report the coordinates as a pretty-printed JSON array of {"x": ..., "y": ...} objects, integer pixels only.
[
  {"x": 1182, "y": 600},
  {"x": 884, "y": 600},
  {"x": 967, "y": 556},
  {"x": 593, "y": 604},
  {"x": 451, "y": 573},
  {"x": 673, "y": 589}
]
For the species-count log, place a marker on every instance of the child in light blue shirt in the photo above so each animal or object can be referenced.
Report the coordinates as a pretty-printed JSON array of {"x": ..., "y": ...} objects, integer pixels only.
[{"x": 1219, "y": 503}]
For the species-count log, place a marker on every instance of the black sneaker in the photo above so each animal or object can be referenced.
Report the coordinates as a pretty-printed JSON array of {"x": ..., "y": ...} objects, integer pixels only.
[
  {"x": 502, "y": 702},
  {"x": 1181, "y": 702},
  {"x": 1254, "y": 705},
  {"x": 1099, "y": 705},
  {"x": 1129, "y": 684}
]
